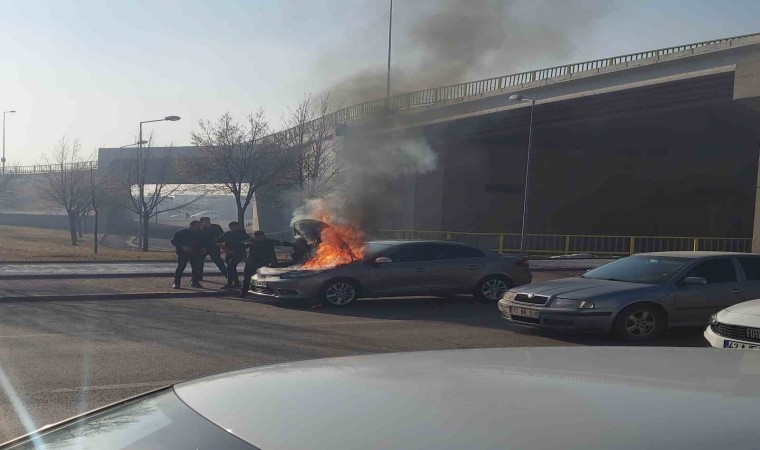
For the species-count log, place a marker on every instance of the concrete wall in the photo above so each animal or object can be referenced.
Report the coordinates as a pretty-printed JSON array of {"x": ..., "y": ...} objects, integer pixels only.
[{"x": 686, "y": 171}]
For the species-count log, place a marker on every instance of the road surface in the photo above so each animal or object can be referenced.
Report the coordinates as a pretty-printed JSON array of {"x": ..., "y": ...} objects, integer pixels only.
[{"x": 58, "y": 359}]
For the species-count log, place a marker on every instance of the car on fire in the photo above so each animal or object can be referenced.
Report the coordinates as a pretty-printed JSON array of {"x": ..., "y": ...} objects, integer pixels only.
[
  {"x": 638, "y": 296},
  {"x": 397, "y": 268}
]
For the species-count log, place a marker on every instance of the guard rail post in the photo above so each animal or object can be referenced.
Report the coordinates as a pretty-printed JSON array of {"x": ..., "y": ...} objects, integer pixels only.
[
  {"x": 632, "y": 246},
  {"x": 696, "y": 244},
  {"x": 501, "y": 243},
  {"x": 567, "y": 244}
]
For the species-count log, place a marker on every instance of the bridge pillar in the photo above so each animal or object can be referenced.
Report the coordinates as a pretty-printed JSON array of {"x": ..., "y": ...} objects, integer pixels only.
[{"x": 747, "y": 92}]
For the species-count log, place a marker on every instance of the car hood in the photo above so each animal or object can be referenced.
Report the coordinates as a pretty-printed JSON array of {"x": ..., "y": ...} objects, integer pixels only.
[
  {"x": 569, "y": 398},
  {"x": 586, "y": 288},
  {"x": 746, "y": 314}
]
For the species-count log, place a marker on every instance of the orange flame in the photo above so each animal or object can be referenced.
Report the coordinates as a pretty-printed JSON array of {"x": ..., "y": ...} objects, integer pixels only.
[{"x": 341, "y": 244}]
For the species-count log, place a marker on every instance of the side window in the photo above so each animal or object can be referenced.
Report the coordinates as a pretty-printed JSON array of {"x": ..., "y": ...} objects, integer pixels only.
[
  {"x": 410, "y": 253},
  {"x": 751, "y": 267},
  {"x": 719, "y": 270},
  {"x": 445, "y": 251}
]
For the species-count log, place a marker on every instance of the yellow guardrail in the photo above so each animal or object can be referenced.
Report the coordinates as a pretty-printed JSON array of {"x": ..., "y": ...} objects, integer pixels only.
[{"x": 563, "y": 244}]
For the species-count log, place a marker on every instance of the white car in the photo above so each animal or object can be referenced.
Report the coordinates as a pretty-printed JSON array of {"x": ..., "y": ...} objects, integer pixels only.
[
  {"x": 737, "y": 326},
  {"x": 209, "y": 214}
]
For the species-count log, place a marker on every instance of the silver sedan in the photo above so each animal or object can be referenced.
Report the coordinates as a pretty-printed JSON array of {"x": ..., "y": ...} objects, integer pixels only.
[
  {"x": 400, "y": 269},
  {"x": 638, "y": 296}
]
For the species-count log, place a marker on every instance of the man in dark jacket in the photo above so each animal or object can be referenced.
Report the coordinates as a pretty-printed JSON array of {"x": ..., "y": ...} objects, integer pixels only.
[
  {"x": 260, "y": 253},
  {"x": 233, "y": 243},
  {"x": 212, "y": 233},
  {"x": 189, "y": 245}
]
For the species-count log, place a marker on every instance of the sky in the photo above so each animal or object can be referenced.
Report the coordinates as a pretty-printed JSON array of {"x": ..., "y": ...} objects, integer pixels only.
[{"x": 93, "y": 69}]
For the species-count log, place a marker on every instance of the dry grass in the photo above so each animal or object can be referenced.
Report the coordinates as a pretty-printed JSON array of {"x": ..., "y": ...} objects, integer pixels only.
[{"x": 41, "y": 244}]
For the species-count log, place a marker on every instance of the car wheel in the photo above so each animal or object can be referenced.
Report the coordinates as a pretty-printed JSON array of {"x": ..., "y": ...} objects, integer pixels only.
[
  {"x": 492, "y": 288},
  {"x": 638, "y": 323},
  {"x": 339, "y": 293}
]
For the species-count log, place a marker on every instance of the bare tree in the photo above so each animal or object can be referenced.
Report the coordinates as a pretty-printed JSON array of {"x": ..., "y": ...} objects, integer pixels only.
[
  {"x": 237, "y": 156},
  {"x": 66, "y": 184},
  {"x": 311, "y": 148},
  {"x": 141, "y": 185}
]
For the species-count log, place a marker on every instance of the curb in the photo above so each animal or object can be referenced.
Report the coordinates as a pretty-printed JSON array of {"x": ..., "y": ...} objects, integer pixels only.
[
  {"x": 103, "y": 261},
  {"x": 84, "y": 276},
  {"x": 123, "y": 296}
]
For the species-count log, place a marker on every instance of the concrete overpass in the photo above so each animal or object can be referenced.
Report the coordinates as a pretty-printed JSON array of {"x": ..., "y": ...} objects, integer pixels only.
[{"x": 653, "y": 143}]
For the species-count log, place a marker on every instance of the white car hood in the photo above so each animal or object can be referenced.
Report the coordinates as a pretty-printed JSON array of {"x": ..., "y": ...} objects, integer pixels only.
[
  {"x": 539, "y": 398},
  {"x": 746, "y": 314}
]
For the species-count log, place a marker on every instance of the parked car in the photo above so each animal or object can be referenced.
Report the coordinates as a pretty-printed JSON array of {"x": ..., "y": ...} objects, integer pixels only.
[
  {"x": 209, "y": 214},
  {"x": 737, "y": 326},
  {"x": 526, "y": 398},
  {"x": 638, "y": 296},
  {"x": 398, "y": 269}
]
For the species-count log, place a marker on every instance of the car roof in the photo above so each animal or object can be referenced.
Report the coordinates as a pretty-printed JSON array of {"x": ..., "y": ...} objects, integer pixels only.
[
  {"x": 415, "y": 241},
  {"x": 565, "y": 397},
  {"x": 695, "y": 255}
]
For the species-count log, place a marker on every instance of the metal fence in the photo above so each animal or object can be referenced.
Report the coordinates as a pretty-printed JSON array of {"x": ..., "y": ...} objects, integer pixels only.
[
  {"x": 51, "y": 168},
  {"x": 555, "y": 244}
]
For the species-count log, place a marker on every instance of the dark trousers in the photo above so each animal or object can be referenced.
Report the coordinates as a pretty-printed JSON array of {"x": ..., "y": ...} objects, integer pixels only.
[
  {"x": 232, "y": 274},
  {"x": 196, "y": 262},
  {"x": 216, "y": 256},
  {"x": 250, "y": 268}
]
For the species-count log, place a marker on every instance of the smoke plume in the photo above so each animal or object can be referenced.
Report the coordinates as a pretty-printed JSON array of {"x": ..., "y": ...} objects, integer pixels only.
[
  {"x": 463, "y": 40},
  {"x": 367, "y": 191}
]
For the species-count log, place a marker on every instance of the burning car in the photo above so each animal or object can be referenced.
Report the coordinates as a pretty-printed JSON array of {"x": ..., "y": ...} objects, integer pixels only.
[{"x": 346, "y": 268}]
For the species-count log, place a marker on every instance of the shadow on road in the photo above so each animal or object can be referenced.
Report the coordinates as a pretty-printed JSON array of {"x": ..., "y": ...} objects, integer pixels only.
[{"x": 465, "y": 310}]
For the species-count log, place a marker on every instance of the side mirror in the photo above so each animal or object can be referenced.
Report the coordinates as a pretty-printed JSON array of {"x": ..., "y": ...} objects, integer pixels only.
[
  {"x": 694, "y": 281},
  {"x": 383, "y": 260}
]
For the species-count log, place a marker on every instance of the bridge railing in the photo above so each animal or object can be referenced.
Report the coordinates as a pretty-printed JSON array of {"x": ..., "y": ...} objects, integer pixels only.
[
  {"x": 51, "y": 168},
  {"x": 472, "y": 88},
  {"x": 565, "y": 244}
]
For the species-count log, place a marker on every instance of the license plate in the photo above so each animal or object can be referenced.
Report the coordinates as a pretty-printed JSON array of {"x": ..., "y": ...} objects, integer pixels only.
[
  {"x": 523, "y": 312},
  {"x": 734, "y": 344},
  {"x": 259, "y": 283}
]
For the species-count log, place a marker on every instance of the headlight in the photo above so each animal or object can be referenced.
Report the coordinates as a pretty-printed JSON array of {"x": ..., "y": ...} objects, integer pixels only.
[
  {"x": 300, "y": 274},
  {"x": 572, "y": 304},
  {"x": 714, "y": 319},
  {"x": 509, "y": 296}
]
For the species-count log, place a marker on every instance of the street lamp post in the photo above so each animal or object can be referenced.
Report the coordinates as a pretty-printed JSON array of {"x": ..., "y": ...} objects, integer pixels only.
[
  {"x": 3, "y": 158},
  {"x": 390, "y": 35},
  {"x": 141, "y": 178},
  {"x": 520, "y": 98}
]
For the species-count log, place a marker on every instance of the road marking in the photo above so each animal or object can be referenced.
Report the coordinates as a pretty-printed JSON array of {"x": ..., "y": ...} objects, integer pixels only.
[{"x": 111, "y": 387}]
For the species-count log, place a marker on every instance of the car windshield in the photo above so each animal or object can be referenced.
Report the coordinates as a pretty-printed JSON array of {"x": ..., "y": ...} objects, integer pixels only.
[
  {"x": 639, "y": 269},
  {"x": 160, "y": 420}
]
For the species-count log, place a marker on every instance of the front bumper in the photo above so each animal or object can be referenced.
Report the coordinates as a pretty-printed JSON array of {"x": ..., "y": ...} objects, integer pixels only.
[
  {"x": 286, "y": 289},
  {"x": 719, "y": 341},
  {"x": 581, "y": 320}
]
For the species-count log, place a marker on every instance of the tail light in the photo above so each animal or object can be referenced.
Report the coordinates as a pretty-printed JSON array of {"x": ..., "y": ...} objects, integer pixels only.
[{"x": 523, "y": 263}]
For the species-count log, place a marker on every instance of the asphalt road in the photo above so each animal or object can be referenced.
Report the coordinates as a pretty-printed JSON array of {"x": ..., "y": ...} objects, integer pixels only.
[{"x": 58, "y": 359}]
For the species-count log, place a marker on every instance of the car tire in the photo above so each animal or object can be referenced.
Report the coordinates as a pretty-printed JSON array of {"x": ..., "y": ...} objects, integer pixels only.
[
  {"x": 492, "y": 288},
  {"x": 339, "y": 293},
  {"x": 638, "y": 323}
]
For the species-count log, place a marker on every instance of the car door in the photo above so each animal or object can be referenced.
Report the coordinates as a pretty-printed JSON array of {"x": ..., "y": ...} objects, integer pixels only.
[
  {"x": 694, "y": 304},
  {"x": 455, "y": 267},
  {"x": 750, "y": 287},
  {"x": 407, "y": 274}
]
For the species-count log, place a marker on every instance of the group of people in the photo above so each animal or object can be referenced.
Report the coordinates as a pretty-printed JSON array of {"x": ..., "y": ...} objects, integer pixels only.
[{"x": 203, "y": 238}]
